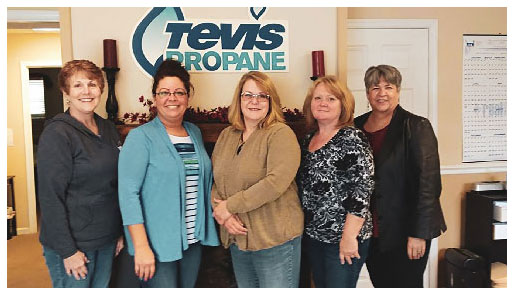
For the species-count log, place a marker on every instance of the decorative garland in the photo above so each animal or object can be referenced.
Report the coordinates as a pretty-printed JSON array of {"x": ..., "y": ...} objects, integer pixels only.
[{"x": 195, "y": 115}]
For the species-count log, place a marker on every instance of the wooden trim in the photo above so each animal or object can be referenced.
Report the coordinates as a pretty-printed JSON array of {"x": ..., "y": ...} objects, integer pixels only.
[
  {"x": 342, "y": 37},
  {"x": 211, "y": 131}
]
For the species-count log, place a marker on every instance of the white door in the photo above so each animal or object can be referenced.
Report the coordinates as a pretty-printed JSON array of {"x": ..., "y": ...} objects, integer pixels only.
[
  {"x": 408, "y": 51},
  {"x": 405, "y": 49}
]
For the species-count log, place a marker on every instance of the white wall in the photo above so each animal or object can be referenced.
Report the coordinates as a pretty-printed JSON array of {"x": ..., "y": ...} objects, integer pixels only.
[{"x": 309, "y": 29}]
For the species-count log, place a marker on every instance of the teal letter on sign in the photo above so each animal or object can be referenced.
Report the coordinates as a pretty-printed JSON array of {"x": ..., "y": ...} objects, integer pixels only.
[
  {"x": 226, "y": 60},
  {"x": 175, "y": 55},
  {"x": 276, "y": 58},
  {"x": 259, "y": 60},
  {"x": 205, "y": 61},
  {"x": 193, "y": 59},
  {"x": 244, "y": 62}
]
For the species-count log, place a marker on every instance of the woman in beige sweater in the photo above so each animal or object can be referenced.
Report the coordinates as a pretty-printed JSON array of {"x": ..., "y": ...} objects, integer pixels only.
[{"x": 255, "y": 161}]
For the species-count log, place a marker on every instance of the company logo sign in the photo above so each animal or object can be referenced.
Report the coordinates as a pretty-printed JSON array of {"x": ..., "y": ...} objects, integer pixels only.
[{"x": 211, "y": 45}]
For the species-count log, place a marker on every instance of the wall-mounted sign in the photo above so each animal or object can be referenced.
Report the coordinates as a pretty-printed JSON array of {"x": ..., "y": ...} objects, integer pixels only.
[{"x": 211, "y": 45}]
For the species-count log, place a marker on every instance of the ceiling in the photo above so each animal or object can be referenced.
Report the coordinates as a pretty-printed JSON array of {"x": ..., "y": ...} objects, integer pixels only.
[{"x": 32, "y": 19}]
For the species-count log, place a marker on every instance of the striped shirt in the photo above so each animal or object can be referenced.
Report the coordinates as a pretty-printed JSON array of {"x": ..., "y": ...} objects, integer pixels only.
[{"x": 186, "y": 150}]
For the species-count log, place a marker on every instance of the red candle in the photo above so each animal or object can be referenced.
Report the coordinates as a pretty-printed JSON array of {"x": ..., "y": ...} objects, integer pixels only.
[
  {"x": 318, "y": 64},
  {"x": 110, "y": 55}
]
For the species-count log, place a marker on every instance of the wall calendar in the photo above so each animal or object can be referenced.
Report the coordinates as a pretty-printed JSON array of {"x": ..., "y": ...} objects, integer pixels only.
[{"x": 484, "y": 98}]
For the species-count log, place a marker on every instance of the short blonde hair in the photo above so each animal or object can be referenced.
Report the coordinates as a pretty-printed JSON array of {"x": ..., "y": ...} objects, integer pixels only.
[
  {"x": 275, "y": 114},
  {"x": 341, "y": 92}
]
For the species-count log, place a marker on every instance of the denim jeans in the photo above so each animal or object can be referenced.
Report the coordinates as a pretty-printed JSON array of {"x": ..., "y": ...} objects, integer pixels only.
[
  {"x": 177, "y": 274},
  {"x": 276, "y": 267},
  {"x": 98, "y": 268},
  {"x": 327, "y": 270}
]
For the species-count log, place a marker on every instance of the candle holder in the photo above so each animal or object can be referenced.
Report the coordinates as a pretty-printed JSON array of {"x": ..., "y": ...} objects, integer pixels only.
[
  {"x": 111, "y": 105},
  {"x": 318, "y": 64}
]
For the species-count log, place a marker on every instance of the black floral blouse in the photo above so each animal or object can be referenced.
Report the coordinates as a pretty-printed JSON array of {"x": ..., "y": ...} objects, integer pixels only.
[{"x": 335, "y": 180}]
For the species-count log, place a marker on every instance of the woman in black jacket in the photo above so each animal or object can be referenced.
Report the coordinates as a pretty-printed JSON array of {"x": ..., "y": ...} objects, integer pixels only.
[
  {"x": 405, "y": 205},
  {"x": 78, "y": 184}
]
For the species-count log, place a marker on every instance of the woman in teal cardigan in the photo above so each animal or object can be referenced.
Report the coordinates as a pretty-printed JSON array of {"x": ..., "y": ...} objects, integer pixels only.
[{"x": 165, "y": 179}]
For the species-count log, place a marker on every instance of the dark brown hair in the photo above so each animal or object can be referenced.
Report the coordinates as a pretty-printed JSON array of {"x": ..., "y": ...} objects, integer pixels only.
[{"x": 172, "y": 68}]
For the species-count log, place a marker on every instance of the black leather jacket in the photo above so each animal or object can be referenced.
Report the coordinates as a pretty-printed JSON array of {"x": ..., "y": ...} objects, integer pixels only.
[{"x": 407, "y": 181}]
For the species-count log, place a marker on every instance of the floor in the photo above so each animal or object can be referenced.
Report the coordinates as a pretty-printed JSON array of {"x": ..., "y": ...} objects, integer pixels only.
[
  {"x": 26, "y": 266},
  {"x": 25, "y": 263}
]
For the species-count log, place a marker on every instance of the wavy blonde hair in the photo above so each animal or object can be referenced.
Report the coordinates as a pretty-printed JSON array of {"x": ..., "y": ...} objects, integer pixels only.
[
  {"x": 341, "y": 92},
  {"x": 275, "y": 114}
]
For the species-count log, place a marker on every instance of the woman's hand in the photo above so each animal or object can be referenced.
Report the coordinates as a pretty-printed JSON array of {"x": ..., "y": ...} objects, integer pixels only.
[
  {"x": 415, "y": 248},
  {"x": 235, "y": 226},
  {"x": 76, "y": 265},
  {"x": 221, "y": 213},
  {"x": 348, "y": 249},
  {"x": 119, "y": 246},
  {"x": 144, "y": 263},
  {"x": 349, "y": 245}
]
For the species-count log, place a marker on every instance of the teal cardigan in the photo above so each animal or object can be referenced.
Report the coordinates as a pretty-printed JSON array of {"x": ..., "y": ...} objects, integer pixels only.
[{"x": 151, "y": 186}]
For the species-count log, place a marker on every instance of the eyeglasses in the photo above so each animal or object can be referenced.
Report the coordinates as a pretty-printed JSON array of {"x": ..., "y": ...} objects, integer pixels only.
[
  {"x": 261, "y": 97},
  {"x": 176, "y": 93}
]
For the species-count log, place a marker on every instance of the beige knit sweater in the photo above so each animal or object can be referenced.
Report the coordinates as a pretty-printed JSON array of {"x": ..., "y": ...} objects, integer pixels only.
[{"x": 259, "y": 185}]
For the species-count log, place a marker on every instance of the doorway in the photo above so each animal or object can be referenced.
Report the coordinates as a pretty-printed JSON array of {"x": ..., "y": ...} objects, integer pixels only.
[
  {"x": 411, "y": 46},
  {"x": 45, "y": 102},
  {"x": 25, "y": 68}
]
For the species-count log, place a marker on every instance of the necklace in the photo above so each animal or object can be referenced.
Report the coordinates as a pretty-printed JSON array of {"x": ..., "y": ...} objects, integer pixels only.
[{"x": 241, "y": 143}]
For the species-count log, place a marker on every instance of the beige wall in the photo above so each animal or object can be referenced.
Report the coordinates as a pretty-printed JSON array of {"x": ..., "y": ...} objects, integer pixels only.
[
  {"x": 35, "y": 48},
  {"x": 452, "y": 24},
  {"x": 211, "y": 89}
]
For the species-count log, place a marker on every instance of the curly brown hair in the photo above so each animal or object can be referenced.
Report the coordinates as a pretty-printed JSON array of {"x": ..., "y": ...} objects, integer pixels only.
[{"x": 80, "y": 65}]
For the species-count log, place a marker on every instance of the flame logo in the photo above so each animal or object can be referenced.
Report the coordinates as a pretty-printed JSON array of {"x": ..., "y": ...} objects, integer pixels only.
[{"x": 148, "y": 39}]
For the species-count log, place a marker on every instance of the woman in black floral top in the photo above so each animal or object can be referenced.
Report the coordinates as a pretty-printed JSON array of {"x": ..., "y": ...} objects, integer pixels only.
[{"x": 335, "y": 182}]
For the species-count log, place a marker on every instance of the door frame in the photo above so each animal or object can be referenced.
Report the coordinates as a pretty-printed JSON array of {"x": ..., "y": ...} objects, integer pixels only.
[
  {"x": 432, "y": 26},
  {"x": 27, "y": 132}
]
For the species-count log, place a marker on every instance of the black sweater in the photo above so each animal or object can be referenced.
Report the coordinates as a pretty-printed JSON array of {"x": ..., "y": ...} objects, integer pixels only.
[{"x": 78, "y": 185}]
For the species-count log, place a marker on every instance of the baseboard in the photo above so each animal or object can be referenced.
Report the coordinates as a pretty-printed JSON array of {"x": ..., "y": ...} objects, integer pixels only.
[
  {"x": 24, "y": 231},
  {"x": 474, "y": 168}
]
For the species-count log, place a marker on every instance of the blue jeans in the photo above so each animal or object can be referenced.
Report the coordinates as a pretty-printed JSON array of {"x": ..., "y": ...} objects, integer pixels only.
[
  {"x": 276, "y": 267},
  {"x": 327, "y": 270},
  {"x": 98, "y": 268},
  {"x": 177, "y": 274}
]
